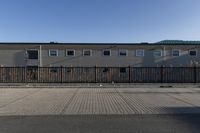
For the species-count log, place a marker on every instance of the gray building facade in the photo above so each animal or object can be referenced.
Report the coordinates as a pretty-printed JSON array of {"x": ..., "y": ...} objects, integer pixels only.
[{"x": 166, "y": 53}]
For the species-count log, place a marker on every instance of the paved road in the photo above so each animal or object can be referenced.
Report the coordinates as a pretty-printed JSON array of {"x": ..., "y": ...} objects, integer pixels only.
[
  {"x": 184, "y": 123},
  {"x": 104, "y": 101},
  {"x": 99, "y": 110}
]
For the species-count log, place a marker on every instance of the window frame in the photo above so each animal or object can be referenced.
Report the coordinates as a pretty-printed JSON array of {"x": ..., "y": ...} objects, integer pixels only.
[
  {"x": 53, "y": 50},
  {"x": 120, "y": 50},
  {"x": 193, "y": 55},
  {"x": 161, "y": 53},
  {"x": 107, "y": 50},
  {"x": 87, "y": 50},
  {"x": 136, "y": 54},
  {"x": 176, "y": 50},
  {"x": 66, "y": 52}
]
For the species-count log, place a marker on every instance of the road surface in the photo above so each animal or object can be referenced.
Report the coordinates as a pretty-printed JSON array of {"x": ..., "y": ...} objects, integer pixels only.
[{"x": 99, "y": 110}]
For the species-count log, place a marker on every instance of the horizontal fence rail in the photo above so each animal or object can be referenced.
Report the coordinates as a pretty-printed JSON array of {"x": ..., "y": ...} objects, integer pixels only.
[{"x": 99, "y": 75}]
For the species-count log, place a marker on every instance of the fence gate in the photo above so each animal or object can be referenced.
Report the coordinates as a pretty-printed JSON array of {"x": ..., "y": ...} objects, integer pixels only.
[{"x": 32, "y": 74}]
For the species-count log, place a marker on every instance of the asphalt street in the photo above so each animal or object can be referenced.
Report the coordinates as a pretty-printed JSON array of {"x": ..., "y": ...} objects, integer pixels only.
[
  {"x": 185, "y": 123},
  {"x": 99, "y": 110}
]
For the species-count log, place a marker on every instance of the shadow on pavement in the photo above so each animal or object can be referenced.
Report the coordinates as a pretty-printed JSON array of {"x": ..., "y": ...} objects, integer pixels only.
[
  {"x": 190, "y": 116},
  {"x": 167, "y": 123}
]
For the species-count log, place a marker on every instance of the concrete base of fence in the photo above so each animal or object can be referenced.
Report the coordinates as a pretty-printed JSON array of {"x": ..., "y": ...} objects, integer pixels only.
[{"x": 100, "y": 85}]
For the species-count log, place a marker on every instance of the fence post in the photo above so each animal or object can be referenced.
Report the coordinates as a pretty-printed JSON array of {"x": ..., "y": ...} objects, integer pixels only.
[
  {"x": 95, "y": 75},
  {"x": 61, "y": 74},
  {"x": 25, "y": 74},
  {"x": 129, "y": 74},
  {"x": 161, "y": 72},
  {"x": 195, "y": 73}
]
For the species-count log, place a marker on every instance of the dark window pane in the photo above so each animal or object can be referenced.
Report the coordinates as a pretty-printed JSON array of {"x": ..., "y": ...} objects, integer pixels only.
[
  {"x": 122, "y": 53},
  {"x": 105, "y": 70},
  {"x": 32, "y": 54},
  {"x": 123, "y": 70},
  {"x": 32, "y": 67},
  {"x": 106, "y": 52},
  {"x": 54, "y": 70},
  {"x": 69, "y": 70},
  {"x": 193, "y": 53},
  {"x": 87, "y": 53},
  {"x": 70, "y": 53}
]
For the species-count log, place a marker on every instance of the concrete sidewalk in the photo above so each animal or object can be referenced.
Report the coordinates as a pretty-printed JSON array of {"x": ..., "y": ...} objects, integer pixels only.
[{"x": 98, "y": 101}]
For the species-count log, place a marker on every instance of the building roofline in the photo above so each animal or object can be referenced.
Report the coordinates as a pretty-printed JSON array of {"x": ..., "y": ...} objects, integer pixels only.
[
  {"x": 165, "y": 42},
  {"x": 56, "y": 43}
]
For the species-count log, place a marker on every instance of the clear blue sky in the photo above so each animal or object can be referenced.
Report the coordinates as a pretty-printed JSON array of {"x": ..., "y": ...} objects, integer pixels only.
[{"x": 99, "y": 20}]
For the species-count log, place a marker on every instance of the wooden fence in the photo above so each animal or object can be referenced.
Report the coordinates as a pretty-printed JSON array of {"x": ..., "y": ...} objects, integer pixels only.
[{"x": 99, "y": 74}]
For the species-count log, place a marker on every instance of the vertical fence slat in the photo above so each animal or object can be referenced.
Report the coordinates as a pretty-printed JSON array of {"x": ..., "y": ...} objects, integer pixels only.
[{"x": 195, "y": 74}]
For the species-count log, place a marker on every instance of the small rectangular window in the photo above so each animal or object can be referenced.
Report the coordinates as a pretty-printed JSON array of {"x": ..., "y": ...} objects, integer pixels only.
[
  {"x": 140, "y": 53},
  {"x": 175, "y": 52},
  {"x": 157, "y": 53},
  {"x": 87, "y": 52},
  {"x": 32, "y": 68},
  {"x": 70, "y": 52},
  {"x": 86, "y": 69},
  {"x": 123, "y": 70},
  {"x": 105, "y": 69},
  {"x": 54, "y": 70},
  {"x": 123, "y": 52},
  {"x": 32, "y": 54},
  {"x": 69, "y": 70},
  {"x": 53, "y": 52},
  {"x": 193, "y": 53},
  {"x": 106, "y": 52}
]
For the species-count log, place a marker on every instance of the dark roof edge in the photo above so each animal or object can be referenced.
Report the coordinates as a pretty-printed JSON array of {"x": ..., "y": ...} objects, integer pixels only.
[{"x": 56, "y": 43}]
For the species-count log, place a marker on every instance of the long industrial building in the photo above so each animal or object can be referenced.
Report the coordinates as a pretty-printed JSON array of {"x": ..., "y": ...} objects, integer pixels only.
[{"x": 169, "y": 53}]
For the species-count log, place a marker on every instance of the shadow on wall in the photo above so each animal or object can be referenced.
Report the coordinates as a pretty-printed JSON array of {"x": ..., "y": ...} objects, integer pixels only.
[
  {"x": 61, "y": 62},
  {"x": 180, "y": 61},
  {"x": 184, "y": 60},
  {"x": 148, "y": 60},
  {"x": 19, "y": 59}
]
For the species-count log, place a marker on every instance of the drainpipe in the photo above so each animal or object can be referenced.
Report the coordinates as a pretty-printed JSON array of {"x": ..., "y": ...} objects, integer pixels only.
[
  {"x": 164, "y": 55},
  {"x": 40, "y": 55},
  {"x": 26, "y": 57}
]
